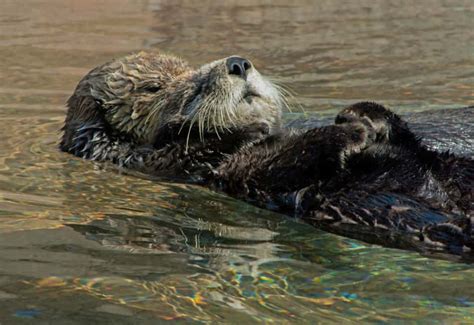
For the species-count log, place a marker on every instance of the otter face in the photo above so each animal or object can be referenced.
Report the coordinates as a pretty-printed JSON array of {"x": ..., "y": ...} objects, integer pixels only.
[
  {"x": 146, "y": 92},
  {"x": 230, "y": 94}
]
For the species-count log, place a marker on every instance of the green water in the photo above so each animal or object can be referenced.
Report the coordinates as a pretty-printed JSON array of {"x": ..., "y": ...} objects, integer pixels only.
[{"x": 81, "y": 243}]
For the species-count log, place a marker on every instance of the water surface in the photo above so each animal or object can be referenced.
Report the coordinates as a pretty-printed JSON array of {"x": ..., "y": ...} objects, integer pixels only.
[{"x": 80, "y": 242}]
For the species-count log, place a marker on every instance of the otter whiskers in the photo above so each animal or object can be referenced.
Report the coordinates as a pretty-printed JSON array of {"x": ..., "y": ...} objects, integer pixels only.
[
  {"x": 213, "y": 115},
  {"x": 286, "y": 93}
]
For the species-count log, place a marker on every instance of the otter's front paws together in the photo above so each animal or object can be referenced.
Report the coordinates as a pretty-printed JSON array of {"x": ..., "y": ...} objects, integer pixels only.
[{"x": 382, "y": 121}]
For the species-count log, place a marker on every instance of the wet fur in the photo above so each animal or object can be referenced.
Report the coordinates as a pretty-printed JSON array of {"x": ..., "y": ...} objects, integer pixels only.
[
  {"x": 367, "y": 176},
  {"x": 136, "y": 110}
]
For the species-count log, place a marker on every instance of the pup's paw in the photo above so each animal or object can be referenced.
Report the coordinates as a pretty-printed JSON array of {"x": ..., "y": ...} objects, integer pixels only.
[{"x": 382, "y": 121}]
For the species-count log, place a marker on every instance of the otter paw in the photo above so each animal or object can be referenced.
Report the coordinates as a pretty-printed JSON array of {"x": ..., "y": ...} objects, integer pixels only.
[{"x": 381, "y": 120}]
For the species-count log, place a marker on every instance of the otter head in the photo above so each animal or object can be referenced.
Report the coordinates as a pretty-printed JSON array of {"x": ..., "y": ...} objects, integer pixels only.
[{"x": 143, "y": 94}]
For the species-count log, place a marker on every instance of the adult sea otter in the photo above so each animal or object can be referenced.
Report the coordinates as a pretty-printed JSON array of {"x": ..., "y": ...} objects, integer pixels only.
[{"x": 368, "y": 176}]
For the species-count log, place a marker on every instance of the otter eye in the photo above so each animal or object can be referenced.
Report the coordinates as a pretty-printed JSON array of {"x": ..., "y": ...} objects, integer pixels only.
[{"x": 152, "y": 88}]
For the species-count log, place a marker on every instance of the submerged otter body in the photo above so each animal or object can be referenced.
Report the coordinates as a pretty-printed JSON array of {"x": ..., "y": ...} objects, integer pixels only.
[{"x": 367, "y": 176}]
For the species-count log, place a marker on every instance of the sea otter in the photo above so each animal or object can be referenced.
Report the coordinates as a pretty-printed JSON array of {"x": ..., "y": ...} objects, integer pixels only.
[{"x": 367, "y": 176}]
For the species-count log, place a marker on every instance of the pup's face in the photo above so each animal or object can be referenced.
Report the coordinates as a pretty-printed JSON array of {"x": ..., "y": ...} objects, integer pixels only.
[{"x": 146, "y": 92}]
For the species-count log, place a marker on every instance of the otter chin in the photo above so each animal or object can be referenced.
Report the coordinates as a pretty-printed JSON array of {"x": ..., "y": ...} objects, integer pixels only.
[{"x": 367, "y": 176}]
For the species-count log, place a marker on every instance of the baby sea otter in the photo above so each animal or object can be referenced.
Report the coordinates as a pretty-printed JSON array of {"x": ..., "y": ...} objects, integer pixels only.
[{"x": 367, "y": 176}]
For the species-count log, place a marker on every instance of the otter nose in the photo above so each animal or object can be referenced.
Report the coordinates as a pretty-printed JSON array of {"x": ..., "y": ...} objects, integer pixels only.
[{"x": 238, "y": 66}]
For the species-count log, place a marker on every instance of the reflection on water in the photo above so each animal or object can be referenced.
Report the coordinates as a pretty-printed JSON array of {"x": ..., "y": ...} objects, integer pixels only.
[{"x": 136, "y": 250}]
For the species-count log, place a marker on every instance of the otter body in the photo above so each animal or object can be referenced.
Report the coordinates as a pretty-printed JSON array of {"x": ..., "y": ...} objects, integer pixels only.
[{"x": 367, "y": 176}]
